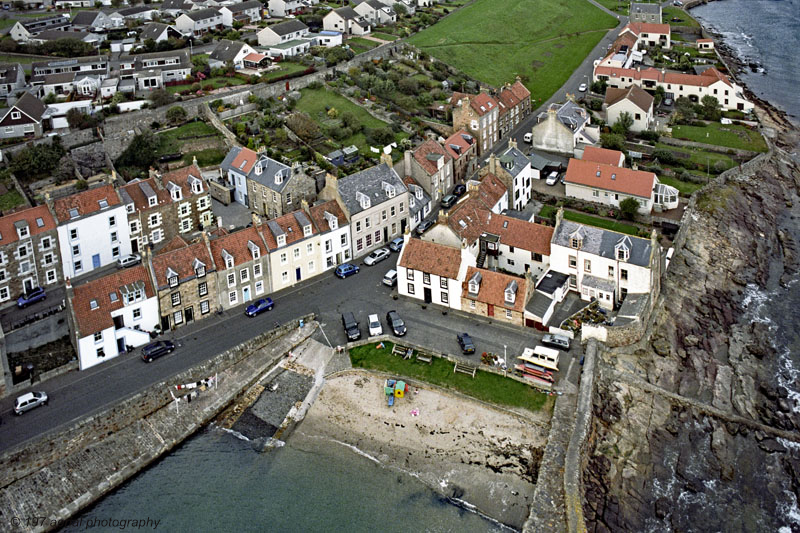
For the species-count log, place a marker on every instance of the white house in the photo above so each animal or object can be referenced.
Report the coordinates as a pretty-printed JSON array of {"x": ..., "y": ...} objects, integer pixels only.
[
  {"x": 431, "y": 166},
  {"x": 232, "y": 52},
  {"x": 604, "y": 264},
  {"x": 347, "y": 21},
  {"x": 152, "y": 71},
  {"x": 635, "y": 101},
  {"x": 159, "y": 32},
  {"x": 326, "y": 38},
  {"x": 283, "y": 8},
  {"x": 112, "y": 313},
  {"x": 283, "y": 32},
  {"x": 376, "y": 12},
  {"x": 419, "y": 202},
  {"x": 199, "y": 22},
  {"x": 608, "y": 184},
  {"x": 334, "y": 228},
  {"x": 432, "y": 272},
  {"x": 562, "y": 127},
  {"x": 93, "y": 230},
  {"x": 138, "y": 13},
  {"x": 514, "y": 169},
  {"x": 247, "y": 12},
  {"x": 294, "y": 248}
]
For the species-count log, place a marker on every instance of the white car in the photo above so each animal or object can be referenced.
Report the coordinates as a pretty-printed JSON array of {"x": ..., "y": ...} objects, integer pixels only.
[
  {"x": 129, "y": 260},
  {"x": 552, "y": 179},
  {"x": 375, "y": 326},
  {"x": 377, "y": 256},
  {"x": 582, "y": 87},
  {"x": 528, "y": 137},
  {"x": 29, "y": 401}
]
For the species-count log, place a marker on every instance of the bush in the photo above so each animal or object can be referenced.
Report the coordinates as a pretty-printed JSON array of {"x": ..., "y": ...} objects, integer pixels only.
[
  {"x": 176, "y": 115},
  {"x": 629, "y": 207},
  {"x": 665, "y": 157}
]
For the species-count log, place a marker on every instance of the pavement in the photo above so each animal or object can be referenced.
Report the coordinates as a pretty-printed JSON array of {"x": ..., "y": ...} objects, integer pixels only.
[{"x": 81, "y": 393}]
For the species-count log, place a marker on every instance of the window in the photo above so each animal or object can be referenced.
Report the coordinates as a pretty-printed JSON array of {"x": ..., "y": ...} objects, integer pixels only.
[
  {"x": 309, "y": 248},
  {"x": 231, "y": 279},
  {"x": 202, "y": 289},
  {"x": 259, "y": 287},
  {"x": 175, "y": 297},
  {"x": 410, "y": 288},
  {"x": 157, "y": 236},
  {"x": 78, "y": 266},
  {"x": 510, "y": 262},
  {"x": 472, "y": 304},
  {"x": 257, "y": 270},
  {"x": 536, "y": 257},
  {"x": 177, "y": 318},
  {"x": 244, "y": 275},
  {"x": 98, "y": 337},
  {"x": 183, "y": 210},
  {"x": 101, "y": 352},
  {"x": 426, "y": 278},
  {"x": 154, "y": 219},
  {"x": 367, "y": 222},
  {"x": 311, "y": 266},
  {"x": 296, "y": 253},
  {"x": 46, "y": 243},
  {"x": 284, "y": 258},
  {"x": 610, "y": 271},
  {"x": 359, "y": 244},
  {"x": 369, "y": 240},
  {"x": 383, "y": 215},
  {"x": 288, "y": 198},
  {"x": 587, "y": 265},
  {"x": 200, "y": 271},
  {"x": 22, "y": 251},
  {"x": 392, "y": 211},
  {"x": 202, "y": 203},
  {"x": 573, "y": 261},
  {"x": 344, "y": 239},
  {"x": 233, "y": 297},
  {"x": 186, "y": 225},
  {"x": 73, "y": 234},
  {"x": 358, "y": 226},
  {"x": 595, "y": 193},
  {"x": 402, "y": 207},
  {"x": 281, "y": 240},
  {"x": 508, "y": 313},
  {"x": 115, "y": 251},
  {"x": 204, "y": 307},
  {"x": 4, "y": 294},
  {"x": 285, "y": 277},
  {"x": 112, "y": 221},
  {"x": 134, "y": 226},
  {"x": 137, "y": 313},
  {"x": 443, "y": 283},
  {"x": 444, "y": 297},
  {"x": 16, "y": 115},
  {"x": 328, "y": 246},
  {"x": 173, "y": 281},
  {"x": 623, "y": 274},
  {"x": 23, "y": 232},
  {"x": 51, "y": 276}
]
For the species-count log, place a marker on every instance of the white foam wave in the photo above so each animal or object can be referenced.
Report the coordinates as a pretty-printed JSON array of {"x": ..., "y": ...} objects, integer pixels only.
[
  {"x": 790, "y": 511},
  {"x": 234, "y": 433}
]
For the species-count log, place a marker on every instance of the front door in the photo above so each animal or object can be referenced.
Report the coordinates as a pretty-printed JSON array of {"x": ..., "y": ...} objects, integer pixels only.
[
  {"x": 96, "y": 261},
  {"x": 246, "y": 294},
  {"x": 403, "y": 226},
  {"x": 164, "y": 323},
  {"x": 121, "y": 345},
  {"x": 489, "y": 310},
  {"x": 386, "y": 234},
  {"x": 188, "y": 314},
  {"x": 297, "y": 274},
  {"x": 28, "y": 285},
  {"x": 428, "y": 297},
  {"x": 134, "y": 245}
]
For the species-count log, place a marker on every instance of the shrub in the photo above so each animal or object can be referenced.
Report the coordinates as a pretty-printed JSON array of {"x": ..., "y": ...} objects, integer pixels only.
[{"x": 629, "y": 207}]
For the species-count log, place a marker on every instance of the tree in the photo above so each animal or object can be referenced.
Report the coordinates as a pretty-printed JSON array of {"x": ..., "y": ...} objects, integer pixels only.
[
  {"x": 76, "y": 118},
  {"x": 350, "y": 120},
  {"x": 612, "y": 141},
  {"x": 176, "y": 115},
  {"x": 336, "y": 54},
  {"x": 408, "y": 86},
  {"x": 684, "y": 109},
  {"x": 160, "y": 97},
  {"x": 302, "y": 125},
  {"x": 333, "y": 112},
  {"x": 629, "y": 207},
  {"x": 659, "y": 96},
  {"x": 710, "y": 108},
  {"x": 623, "y": 124},
  {"x": 141, "y": 152},
  {"x": 400, "y": 9},
  {"x": 599, "y": 87},
  {"x": 379, "y": 136}
]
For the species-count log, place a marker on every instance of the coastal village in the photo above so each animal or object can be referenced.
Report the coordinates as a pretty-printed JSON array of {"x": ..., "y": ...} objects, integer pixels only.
[{"x": 187, "y": 183}]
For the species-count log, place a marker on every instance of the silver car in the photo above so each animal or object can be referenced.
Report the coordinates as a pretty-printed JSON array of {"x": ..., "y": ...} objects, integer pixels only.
[
  {"x": 377, "y": 256},
  {"x": 129, "y": 260},
  {"x": 29, "y": 401}
]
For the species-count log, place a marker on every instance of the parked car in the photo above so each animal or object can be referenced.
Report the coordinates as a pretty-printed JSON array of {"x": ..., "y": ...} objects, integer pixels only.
[
  {"x": 465, "y": 341},
  {"x": 552, "y": 179},
  {"x": 528, "y": 137},
  {"x": 259, "y": 306},
  {"x": 390, "y": 278},
  {"x": 459, "y": 190},
  {"x": 346, "y": 269},
  {"x": 375, "y": 326},
  {"x": 350, "y": 325},
  {"x": 677, "y": 3},
  {"x": 377, "y": 256},
  {"x": 32, "y": 296},
  {"x": 449, "y": 200},
  {"x": 560, "y": 342},
  {"x": 582, "y": 87},
  {"x": 129, "y": 260},
  {"x": 422, "y": 226},
  {"x": 154, "y": 350},
  {"x": 396, "y": 323},
  {"x": 28, "y": 401},
  {"x": 667, "y": 102},
  {"x": 397, "y": 244}
]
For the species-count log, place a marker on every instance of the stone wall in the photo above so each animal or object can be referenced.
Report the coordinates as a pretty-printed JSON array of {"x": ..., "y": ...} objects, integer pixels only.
[
  {"x": 29, "y": 336},
  {"x": 75, "y": 138}
]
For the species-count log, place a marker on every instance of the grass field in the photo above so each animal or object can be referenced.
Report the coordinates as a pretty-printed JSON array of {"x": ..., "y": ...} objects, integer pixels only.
[
  {"x": 223, "y": 81},
  {"x": 172, "y": 141},
  {"x": 668, "y": 13},
  {"x": 728, "y": 135},
  {"x": 700, "y": 157},
  {"x": 617, "y": 6},
  {"x": 549, "y": 211},
  {"x": 384, "y": 36},
  {"x": 496, "y": 40},
  {"x": 485, "y": 386},
  {"x": 287, "y": 67},
  {"x": 686, "y": 188}
]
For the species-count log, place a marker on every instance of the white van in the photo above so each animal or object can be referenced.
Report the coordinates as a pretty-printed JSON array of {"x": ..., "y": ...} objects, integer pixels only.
[
  {"x": 390, "y": 278},
  {"x": 528, "y": 137}
]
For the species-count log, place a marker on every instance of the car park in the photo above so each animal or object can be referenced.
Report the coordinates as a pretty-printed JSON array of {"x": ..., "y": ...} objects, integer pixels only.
[
  {"x": 350, "y": 325},
  {"x": 129, "y": 260},
  {"x": 560, "y": 342},
  {"x": 465, "y": 341},
  {"x": 396, "y": 323},
  {"x": 259, "y": 306},
  {"x": 346, "y": 269},
  {"x": 397, "y": 244},
  {"x": 390, "y": 278},
  {"x": 28, "y": 401},
  {"x": 31, "y": 296},
  {"x": 154, "y": 350},
  {"x": 459, "y": 190},
  {"x": 552, "y": 179},
  {"x": 374, "y": 326},
  {"x": 423, "y": 226},
  {"x": 582, "y": 87},
  {"x": 377, "y": 256},
  {"x": 449, "y": 200}
]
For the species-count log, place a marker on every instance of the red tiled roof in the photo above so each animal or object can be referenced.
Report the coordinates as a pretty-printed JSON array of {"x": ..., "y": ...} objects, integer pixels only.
[
  {"x": 176, "y": 243},
  {"x": 86, "y": 202},
  {"x": 181, "y": 261},
  {"x": 520, "y": 91},
  {"x": 492, "y": 289},
  {"x": 139, "y": 198},
  {"x": 245, "y": 160},
  {"x": 236, "y": 244},
  {"x": 507, "y": 100},
  {"x": 521, "y": 233},
  {"x": 291, "y": 228},
  {"x": 624, "y": 180},
  {"x": 8, "y": 232},
  {"x": 90, "y": 321},
  {"x": 647, "y": 27},
  {"x": 483, "y": 103},
  {"x": 318, "y": 215},
  {"x": 426, "y": 148},
  {"x": 705, "y": 40},
  {"x": 603, "y": 155},
  {"x": 707, "y": 78},
  {"x": 430, "y": 257},
  {"x": 180, "y": 177},
  {"x": 472, "y": 214},
  {"x": 255, "y": 58},
  {"x": 491, "y": 190},
  {"x": 457, "y": 140}
]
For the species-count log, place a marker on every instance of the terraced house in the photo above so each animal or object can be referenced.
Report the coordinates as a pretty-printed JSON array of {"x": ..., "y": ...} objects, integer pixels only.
[
  {"x": 479, "y": 115},
  {"x": 242, "y": 263},
  {"x": 185, "y": 279},
  {"x": 513, "y": 168},
  {"x": 334, "y": 229},
  {"x": 431, "y": 166},
  {"x": 514, "y": 100},
  {"x": 294, "y": 248},
  {"x": 29, "y": 254}
]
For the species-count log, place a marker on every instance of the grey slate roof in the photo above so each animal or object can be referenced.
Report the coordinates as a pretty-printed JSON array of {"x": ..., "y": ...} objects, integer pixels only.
[
  {"x": 202, "y": 14},
  {"x": 244, "y": 6},
  {"x": 645, "y": 8},
  {"x": 514, "y": 161},
  {"x": 226, "y": 50},
  {"x": 633, "y": 306},
  {"x": 551, "y": 282},
  {"x": 594, "y": 282},
  {"x": 31, "y": 106},
  {"x": 538, "y": 304},
  {"x": 9, "y": 72},
  {"x": 601, "y": 242},
  {"x": 538, "y": 162},
  {"x": 176, "y": 4},
  {"x": 347, "y": 13},
  {"x": 368, "y": 182},
  {"x": 287, "y": 27},
  {"x": 153, "y": 30},
  {"x": 134, "y": 10},
  {"x": 269, "y": 166},
  {"x": 419, "y": 204},
  {"x": 85, "y": 18}
]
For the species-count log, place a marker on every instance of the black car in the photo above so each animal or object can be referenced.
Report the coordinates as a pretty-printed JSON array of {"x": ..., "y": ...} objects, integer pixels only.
[
  {"x": 350, "y": 325},
  {"x": 459, "y": 190},
  {"x": 154, "y": 350},
  {"x": 396, "y": 323},
  {"x": 465, "y": 341},
  {"x": 449, "y": 200},
  {"x": 422, "y": 226}
]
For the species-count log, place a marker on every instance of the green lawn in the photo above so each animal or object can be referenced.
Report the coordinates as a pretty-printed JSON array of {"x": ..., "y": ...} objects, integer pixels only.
[
  {"x": 496, "y": 40},
  {"x": 287, "y": 67},
  {"x": 485, "y": 386},
  {"x": 686, "y": 188},
  {"x": 10, "y": 200},
  {"x": 616, "y": 5},
  {"x": 206, "y": 158},
  {"x": 728, "y": 135},
  {"x": 384, "y": 36},
  {"x": 668, "y": 13},
  {"x": 172, "y": 139},
  {"x": 705, "y": 159},
  {"x": 222, "y": 81},
  {"x": 549, "y": 211}
]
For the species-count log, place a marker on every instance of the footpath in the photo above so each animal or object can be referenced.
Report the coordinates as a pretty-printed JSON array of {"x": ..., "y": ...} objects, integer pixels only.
[{"x": 49, "y": 481}]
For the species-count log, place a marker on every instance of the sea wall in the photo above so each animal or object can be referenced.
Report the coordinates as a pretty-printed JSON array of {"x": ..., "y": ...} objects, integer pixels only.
[{"x": 62, "y": 472}]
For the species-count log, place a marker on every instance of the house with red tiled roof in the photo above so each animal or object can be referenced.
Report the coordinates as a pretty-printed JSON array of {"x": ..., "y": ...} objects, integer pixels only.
[
  {"x": 464, "y": 150},
  {"x": 649, "y": 34},
  {"x": 491, "y": 191},
  {"x": 111, "y": 314},
  {"x": 334, "y": 230},
  {"x": 609, "y": 184},
  {"x": 93, "y": 229},
  {"x": 29, "y": 255},
  {"x": 431, "y": 166},
  {"x": 604, "y": 156},
  {"x": 479, "y": 115},
  {"x": 185, "y": 280},
  {"x": 705, "y": 45},
  {"x": 242, "y": 261},
  {"x": 432, "y": 272},
  {"x": 495, "y": 295},
  {"x": 295, "y": 253},
  {"x": 515, "y": 104}
]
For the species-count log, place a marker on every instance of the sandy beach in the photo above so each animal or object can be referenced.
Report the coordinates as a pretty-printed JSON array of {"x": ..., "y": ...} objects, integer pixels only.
[{"x": 485, "y": 457}]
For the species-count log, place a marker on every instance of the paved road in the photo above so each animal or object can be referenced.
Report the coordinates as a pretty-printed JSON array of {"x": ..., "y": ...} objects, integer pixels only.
[{"x": 77, "y": 394}]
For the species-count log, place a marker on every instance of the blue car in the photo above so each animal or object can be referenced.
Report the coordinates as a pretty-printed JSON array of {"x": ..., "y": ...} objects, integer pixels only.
[
  {"x": 346, "y": 269},
  {"x": 31, "y": 297},
  {"x": 259, "y": 306}
]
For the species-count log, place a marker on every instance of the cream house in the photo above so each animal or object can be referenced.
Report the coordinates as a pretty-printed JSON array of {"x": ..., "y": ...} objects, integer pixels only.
[
  {"x": 635, "y": 101},
  {"x": 295, "y": 252},
  {"x": 432, "y": 272}
]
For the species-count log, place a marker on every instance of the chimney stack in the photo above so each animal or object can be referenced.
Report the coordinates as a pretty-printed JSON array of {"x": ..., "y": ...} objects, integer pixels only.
[
  {"x": 386, "y": 158},
  {"x": 256, "y": 219}
]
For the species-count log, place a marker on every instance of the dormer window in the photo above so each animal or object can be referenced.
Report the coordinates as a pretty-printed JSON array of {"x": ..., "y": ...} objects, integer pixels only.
[
  {"x": 259, "y": 168},
  {"x": 576, "y": 240},
  {"x": 281, "y": 240},
  {"x": 23, "y": 232},
  {"x": 333, "y": 222},
  {"x": 175, "y": 191},
  {"x": 172, "y": 278},
  {"x": 511, "y": 292},
  {"x": 389, "y": 189},
  {"x": 152, "y": 201},
  {"x": 363, "y": 200},
  {"x": 622, "y": 250},
  {"x": 129, "y": 208},
  {"x": 255, "y": 251},
  {"x": 103, "y": 203},
  {"x": 279, "y": 177},
  {"x": 199, "y": 268},
  {"x": 475, "y": 283},
  {"x": 196, "y": 184},
  {"x": 228, "y": 259}
]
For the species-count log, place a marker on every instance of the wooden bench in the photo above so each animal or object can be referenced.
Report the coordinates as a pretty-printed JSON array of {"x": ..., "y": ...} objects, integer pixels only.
[
  {"x": 424, "y": 358},
  {"x": 399, "y": 350},
  {"x": 465, "y": 369}
]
